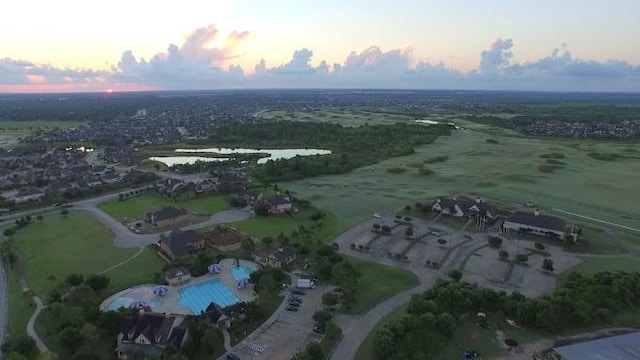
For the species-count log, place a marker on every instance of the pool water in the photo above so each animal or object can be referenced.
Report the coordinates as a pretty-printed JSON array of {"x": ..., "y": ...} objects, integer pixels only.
[
  {"x": 197, "y": 297},
  {"x": 241, "y": 272},
  {"x": 121, "y": 302}
]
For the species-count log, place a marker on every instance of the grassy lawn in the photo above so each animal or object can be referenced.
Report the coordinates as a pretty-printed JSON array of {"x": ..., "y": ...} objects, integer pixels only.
[
  {"x": 595, "y": 240},
  {"x": 135, "y": 207},
  {"x": 366, "y": 349},
  {"x": 20, "y": 306},
  {"x": 591, "y": 266},
  {"x": 469, "y": 336},
  {"x": 262, "y": 226},
  {"x": 61, "y": 245},
  {"x": 138, "y": 271},
  {"x": 379, "y": 282},
  {"x": 24, "y": 128}
]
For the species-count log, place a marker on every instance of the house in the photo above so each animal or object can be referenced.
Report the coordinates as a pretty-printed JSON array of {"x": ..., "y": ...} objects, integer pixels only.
[
  {"x": 465, "y": 207},
  {"x": 149, "y": 334},
  {"x": 167, "y": 216},
  {"x": 535, "y": 223},
  {"x": 283, "y": 256},
  {"x": 180, "y": 244},
  {"x": 626, "y": 346},
  {"x": 170, "y": 184},
  {"x": 111, "y": 178},
  {"x": 205, "y": 186},
  {"x": 93, "y": 182},
  {"x": 250, "y": 196},
  {"x": 279, "y": 204},
  {"x": 217, "y": 316},
  {"x": 177, "y": 276},
  {"x": 224, "y": 238},
  {"x": 28, "y": 194}
]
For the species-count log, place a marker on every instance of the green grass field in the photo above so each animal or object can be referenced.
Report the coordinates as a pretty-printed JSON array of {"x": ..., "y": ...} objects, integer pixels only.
[
  {"x": 378, "y": 282},
  {"x": 469, "y": 336},
  {"x": 20, "y": 306},
  {"x": 366, "y": 350},
  {"x": 24, "y": 128},
  {"x": 346, "y": 117},
  {"x": 262, "y": 226},
  {"x": 135, "y": 207},
  {"x": 60, "y": 245},
  {"x": 506, "y": 172},
  {"x": 138, "y": 271},
  {"x": 591, "y": 266}
]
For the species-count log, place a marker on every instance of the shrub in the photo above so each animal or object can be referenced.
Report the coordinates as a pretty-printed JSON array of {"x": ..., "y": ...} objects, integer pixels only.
[
  {"x": 539, "y": 246},
  {"x": 396, "y": 170},
  {"x": 353, "y": 246},
  {"x": 425, "y": 171},
  {"x": 503, "y": 255},
  {"x": 376, "y": 226},
  {"x": 437, "y": 159},
  {"x": 418, "y": 205},
  {"x": 522, "y": 258},
  {"x": 442, "y": 241},
  {"x": 455, "y": 274},
  {"x": 546, "y": 168},
  {"x": 492, "y": 141},
  {"x": 547, "y": 265},
  {"x": 386, "y": 229},
  {"x": 495, "y": 242}
]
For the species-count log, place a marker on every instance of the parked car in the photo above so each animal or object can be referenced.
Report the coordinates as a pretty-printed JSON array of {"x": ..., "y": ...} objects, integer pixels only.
[
  {"x": 291, "y": 308},
  {"x": 294, "y": 303},
  {"x": 377, "y": 216},
  {"x": 298, "y": 292},
  {"x": 233, "y": 357},
  {"x": 319, "y": 329}
]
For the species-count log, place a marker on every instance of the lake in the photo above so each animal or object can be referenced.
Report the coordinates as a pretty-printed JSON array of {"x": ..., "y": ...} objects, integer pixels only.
[{"x": 270, "y": 154}]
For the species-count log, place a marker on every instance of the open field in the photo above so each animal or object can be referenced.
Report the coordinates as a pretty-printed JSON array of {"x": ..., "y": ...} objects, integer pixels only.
[
  {"x": 138, "y": 271},
  {"x": 20, "y": 306},
  {"x": 24, "y": 128},
  {"x": 591, "y": 266},
  {"x": 469, "y": 336},
  {"x": 346, "y": 117},
  {"x": 61, "y": 245},
  {"x": 377, "y": 282},
  {"x": 506, "y": 171},
  {"x": 135, "y": 207},
  {"x": 366, "y": 349},
  {"x": 263, "y": 226}
]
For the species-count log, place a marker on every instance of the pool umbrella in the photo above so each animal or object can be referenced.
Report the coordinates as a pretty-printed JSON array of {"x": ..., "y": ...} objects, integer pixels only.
[
  {"x": 214, "y": 268},
  {"x": 242, "y": 283},
  {"x": 160, "y": 290},
  {"x": 137, "y": 305}
]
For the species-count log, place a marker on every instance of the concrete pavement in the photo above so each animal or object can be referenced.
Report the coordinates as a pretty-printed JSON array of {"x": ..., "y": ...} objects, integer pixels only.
[{"x": 30, "y": 326}]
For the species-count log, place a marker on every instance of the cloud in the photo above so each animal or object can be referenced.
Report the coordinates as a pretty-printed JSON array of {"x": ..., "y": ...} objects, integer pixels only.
[
  {"x": 492, "y": 61},
  {"x": 205, "y": 60}
]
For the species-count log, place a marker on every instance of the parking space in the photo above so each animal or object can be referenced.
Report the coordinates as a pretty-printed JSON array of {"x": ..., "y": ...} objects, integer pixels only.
[{"x": 289, "y": 333}]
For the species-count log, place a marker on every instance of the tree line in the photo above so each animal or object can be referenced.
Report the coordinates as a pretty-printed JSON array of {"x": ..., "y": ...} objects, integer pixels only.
[
  {"x": 431, "y": 317},
  {"x": 351, "y": 147}
]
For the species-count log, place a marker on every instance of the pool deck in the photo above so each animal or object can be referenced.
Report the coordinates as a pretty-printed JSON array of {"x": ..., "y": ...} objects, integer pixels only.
[{"x": 169, "y": 302}]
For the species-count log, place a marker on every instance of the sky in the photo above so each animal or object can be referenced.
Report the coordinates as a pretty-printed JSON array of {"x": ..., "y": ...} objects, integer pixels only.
[{"x": 549, "y": 45}]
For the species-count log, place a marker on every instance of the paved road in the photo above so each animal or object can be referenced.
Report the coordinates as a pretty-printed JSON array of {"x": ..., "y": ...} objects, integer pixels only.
[
  {"x": 355, "y": 328},
  {"x": 30, "y": 326}
]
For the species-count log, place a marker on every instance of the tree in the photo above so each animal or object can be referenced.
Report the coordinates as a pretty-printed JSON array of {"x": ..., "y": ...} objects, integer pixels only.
[
  {"x": 97, "y": 282},
  {"x": 39, "y": 217},
  {"x": 455, "y": 274},
  {"x": 16, "y": 356},
  {"x": 376, "y": 226},
  {"x": 9, "y": 232},
  {"x": 64, "y": 212},
  {"x": 503, "y": 255},
  {"x": 21, "y": 344},
  {"x": 120, "y": 197},
  {"x": 522, "y": 258},
  {"x": 539, "y": 245},
  {"x": 495, "y": 241},
  {"x": 385, "y": 229},
  {"x": 547, "y": 265},
  {"x": 74, "y": 279},
  {"x": 86, "y": 353},
  {"x": 314, "y": 351},
  {"x": 322, "y": 317},
  {"x": 408, "y": 232},
  {"x": 71, "y": 339},
  {"x": 261, "y": 209},
  {"x": 247, "y": 246},
  {"x": 209, "y": 341},
  {"x": 330, "y": 299},
  {"x": 267, "y": 240}
]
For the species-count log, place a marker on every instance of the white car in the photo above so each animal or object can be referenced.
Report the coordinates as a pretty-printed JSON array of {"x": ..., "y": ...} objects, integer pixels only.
[{"x": 376, "y": 215}]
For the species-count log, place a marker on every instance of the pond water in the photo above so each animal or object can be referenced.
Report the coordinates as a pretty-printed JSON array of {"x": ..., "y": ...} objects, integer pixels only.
[
  {"x": 272, "y": 154},
  {"x": 433, "y": 122}
]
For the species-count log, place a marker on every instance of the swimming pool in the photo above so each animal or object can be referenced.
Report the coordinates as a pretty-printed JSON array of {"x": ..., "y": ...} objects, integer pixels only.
[
  {"x": 124, "y": 302},
  {"x": 197, "y": 297},
  {"x": 241, "y": 272}
]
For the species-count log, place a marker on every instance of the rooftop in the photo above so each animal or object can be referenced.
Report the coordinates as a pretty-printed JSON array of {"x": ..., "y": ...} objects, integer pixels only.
[{"x": 610, "y": 348}]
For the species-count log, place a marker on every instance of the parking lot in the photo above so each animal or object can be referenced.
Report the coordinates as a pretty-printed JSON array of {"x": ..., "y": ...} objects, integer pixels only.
[{"x": 288, "y": 334}]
